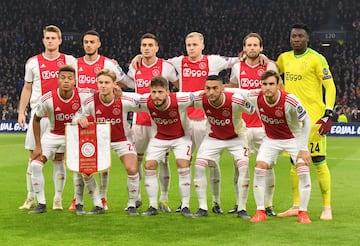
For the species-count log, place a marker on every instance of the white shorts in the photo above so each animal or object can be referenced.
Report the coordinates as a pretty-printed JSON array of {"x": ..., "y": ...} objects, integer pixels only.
[
  {"x": 255, "y": 136},
  {"x": 52, "y": 144},
  {"x": 212, "y": 148},
  {"x": 44, "y": 127},
  {"x": 142, "y": 135},
  {"x": 157, "y": 148},
  {"x": 123, "y": 147},
  {"x": 197, "y": 131},
  {"x": 270, "y": 149}
]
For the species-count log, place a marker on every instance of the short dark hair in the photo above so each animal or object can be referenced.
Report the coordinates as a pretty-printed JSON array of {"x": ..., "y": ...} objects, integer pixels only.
[
  {"x": 301, "y": 26},
  {"x": 214, "y": 77},
  {"x": 92, "y": 32},
  {"x": 67, "y": 68},
  {"x": 270, "y": 73},
  {"x": 159, "y": 81},
  {"x": 150, "y": 35}
]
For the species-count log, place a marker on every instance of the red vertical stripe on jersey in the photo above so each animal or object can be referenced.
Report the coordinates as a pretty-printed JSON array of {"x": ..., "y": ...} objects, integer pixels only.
[{"x": 88, "y": 158}]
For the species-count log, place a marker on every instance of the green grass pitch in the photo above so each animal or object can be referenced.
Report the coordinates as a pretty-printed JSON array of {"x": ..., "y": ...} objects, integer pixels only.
[{"x": 115, "y": 227}]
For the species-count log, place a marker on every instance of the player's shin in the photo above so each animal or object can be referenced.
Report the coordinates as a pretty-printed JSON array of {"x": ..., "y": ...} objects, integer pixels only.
[
  {"x": 324, "y": 179},
  {"x": 38, "y": 181},
  {"x": 184, "y": 186},
  {"x": 200, "y": 182},
  {"x": 59, "y": 177},
  {"x": 78, "y": 188},
  {"x": 29, "y": 186},
  {"x": 295, "y": 186},
  {"x": 269, "y": 187},
  {"x": 164, "y": 179},
  {"x": 304, "y": 186},
  {"x": 93, "y": 190},
  {"x": 133, "y": 185},
  {"x": 151, "y": 186},
  {"x": 104, "y": 183},
  {"x": 215, "y": 181},
  {"x": 243, "y": 183},
  {"x": 259, "y": 187}
]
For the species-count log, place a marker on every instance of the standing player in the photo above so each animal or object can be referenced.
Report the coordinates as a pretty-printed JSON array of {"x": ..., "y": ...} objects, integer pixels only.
[
  {"x": 41, "y": 74},
  {"x": 150, "y": 67},
  {"x": 104, "y": 107},
  {"x": 87, "y": 68},
  {"x": 168, "y": 115},
  {"x": 60, "y": 106},
  {"x": 227, "y": 132},
  {"x": 246, "y": 75},
  {"x": 287, "y": 128},
  {"x": 193, "y": 70},
  {"x": 306, "y": 72}
]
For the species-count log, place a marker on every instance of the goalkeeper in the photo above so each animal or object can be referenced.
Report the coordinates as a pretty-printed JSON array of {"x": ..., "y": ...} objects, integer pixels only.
[{"x": 306, "y": 74}]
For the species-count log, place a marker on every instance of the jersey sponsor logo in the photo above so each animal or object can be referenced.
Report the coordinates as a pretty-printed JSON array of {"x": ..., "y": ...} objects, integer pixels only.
[
  {"x": 246, "y": 82},
  {"x": 64, "y": 117},
  {"x": 214, "y": 121},
  {"x": 49, "y": 74},
  {"x": 83, "y": 79},
  {"x": 112, "y": 121},
  {"x": 194, "y": 73},
  {"x": 292, "y": 77},
  {"x": 161, "y": 121},
  {"x": 143, "y": 83},
  {"x": 271, "y": 121}
]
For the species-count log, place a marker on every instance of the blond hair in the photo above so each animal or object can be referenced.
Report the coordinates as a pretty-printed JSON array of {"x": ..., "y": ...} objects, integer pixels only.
[
  {"x": 195, "y": 34},
  {"x": 52, "y": 28}
]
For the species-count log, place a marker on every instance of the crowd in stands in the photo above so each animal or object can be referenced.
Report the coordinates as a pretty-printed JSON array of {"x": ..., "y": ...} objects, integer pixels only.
[{"x": 223, "y": 23}]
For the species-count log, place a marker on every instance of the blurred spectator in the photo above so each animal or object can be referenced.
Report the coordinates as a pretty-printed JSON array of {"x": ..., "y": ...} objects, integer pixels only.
[{"x": 355, "y": 115}]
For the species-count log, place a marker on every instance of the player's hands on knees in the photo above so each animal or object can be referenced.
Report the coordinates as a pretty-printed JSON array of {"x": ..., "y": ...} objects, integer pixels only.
[
  {"x": 303, "y": 157},
  {"x": 36, "y": 154},
  {"x": 325, "y": 122}
]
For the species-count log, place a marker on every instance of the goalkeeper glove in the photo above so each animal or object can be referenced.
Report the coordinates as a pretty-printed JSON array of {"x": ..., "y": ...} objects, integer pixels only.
[{"x": 325, "y": 122}]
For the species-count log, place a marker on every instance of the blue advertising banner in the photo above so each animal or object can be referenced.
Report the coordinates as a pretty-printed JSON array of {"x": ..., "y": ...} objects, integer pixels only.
[
  {"x": 345, "y": 129},
  {"x": 337, "y": 129},
  {"x": 11, "y": 126}
]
